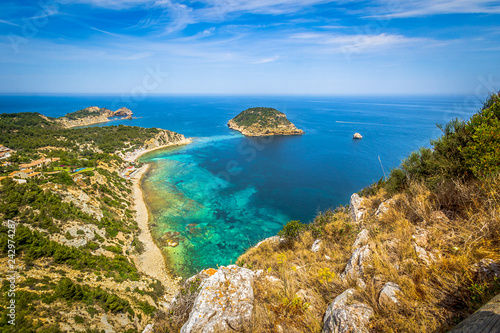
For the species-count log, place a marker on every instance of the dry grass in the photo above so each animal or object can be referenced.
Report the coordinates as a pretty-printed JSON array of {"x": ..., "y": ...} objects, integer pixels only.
[{"x": 463, "y": 227}]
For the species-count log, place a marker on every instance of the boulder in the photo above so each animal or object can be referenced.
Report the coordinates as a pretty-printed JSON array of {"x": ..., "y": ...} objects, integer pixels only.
[
  {"x": 438, "y": 216},
  {"x": 427, "y": 257},
  {"x": 421, "y": 236},
  {"x": 388, "y": 294},
  {"x": 148, "y": 328},
  {"x": 356, "y": 263},
  {"x": 316, "y": 246},
  {"x": 343, "y": 318},
  {"x": 358, "y": 212},
  {"x": 487, "y": 269},
  {"x": 357, "y": 136},
  {"x": 384, "y": 207},
  {"x": 224, "y": 302}
]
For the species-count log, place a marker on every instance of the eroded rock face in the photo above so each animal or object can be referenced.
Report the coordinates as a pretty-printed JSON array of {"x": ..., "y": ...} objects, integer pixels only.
[
  {"x": 343, "y": 318},
  {"x": 166, "y": 138},
  {"x": 224, "y": 302},
  {"x": 358, "y": 212},
  {"x": 388, "y": 294}
]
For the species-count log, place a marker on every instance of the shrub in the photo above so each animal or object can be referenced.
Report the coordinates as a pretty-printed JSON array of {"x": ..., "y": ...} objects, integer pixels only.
[{"x": 292, "y": 229}]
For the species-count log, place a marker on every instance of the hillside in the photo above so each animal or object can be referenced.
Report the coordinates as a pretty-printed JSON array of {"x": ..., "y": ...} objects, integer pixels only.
[
  {"x": 416, "y": 252},
  {"x": 69, "y": 229},
  {"x": 263, "y": 122}
]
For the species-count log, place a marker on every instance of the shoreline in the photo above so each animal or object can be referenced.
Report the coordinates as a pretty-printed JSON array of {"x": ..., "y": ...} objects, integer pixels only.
[
  {"x": 138, "y": 154},
  {"x": 151, "y": 261}
]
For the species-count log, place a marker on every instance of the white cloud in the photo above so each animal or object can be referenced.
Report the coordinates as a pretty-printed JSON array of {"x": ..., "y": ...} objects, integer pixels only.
[
  {"x": 355, "y": 43},
  {"x": 265, "y": 60},
  {"x": 417, "y": 8}
]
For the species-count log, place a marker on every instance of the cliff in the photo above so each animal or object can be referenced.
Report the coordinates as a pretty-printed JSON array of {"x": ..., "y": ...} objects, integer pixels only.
[
  {"x": 263, "y": 122},
  {"x": 415, "y": 252},
  {"x": 165, "y": 138},
  {"x": 92, "y": 115}
]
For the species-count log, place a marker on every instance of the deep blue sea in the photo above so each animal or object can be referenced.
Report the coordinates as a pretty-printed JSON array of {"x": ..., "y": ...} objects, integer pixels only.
[{"x": 225, "y": 192}]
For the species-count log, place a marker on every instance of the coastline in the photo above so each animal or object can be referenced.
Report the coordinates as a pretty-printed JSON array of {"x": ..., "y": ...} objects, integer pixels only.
[
  {"x": 151, "y": 261},
  {"x": 136, "y": 155}
]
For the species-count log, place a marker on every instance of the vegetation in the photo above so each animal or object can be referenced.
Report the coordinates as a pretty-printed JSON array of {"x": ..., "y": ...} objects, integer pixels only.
[
  {"x": 29, "y": 131},
  {"x": 83, "y": 114},
  {"x": 265, "y": 117},
  {"x": 450, "y": 194},
  {"x": 74, "y": 228}
]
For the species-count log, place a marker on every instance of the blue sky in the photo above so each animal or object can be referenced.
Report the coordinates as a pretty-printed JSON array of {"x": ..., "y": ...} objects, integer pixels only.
[{"x": 250, "y": 46}]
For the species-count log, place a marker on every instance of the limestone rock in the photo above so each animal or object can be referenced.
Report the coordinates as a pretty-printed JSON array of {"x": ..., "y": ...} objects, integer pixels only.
[
  {"x": 439, "y": 216},
  {"x": 421, "y": 237},
  {"x": 316, "y": 246},
  {"x": 358, "y": 212},
  {"x": 273, "y": 239},
  {"x": 384, "y": 207},
  {"x": 487, "y": 269},
  {"x": 148, "y": 328},
  {"x": 343, "y": 318},
  {"x": 224, "y": 301},
  {"x": 166, "y": 138},
  {"x": 357, "y": 136},
  {"x": 361, "y": 239},
  {"x": 388, "y": 294},
  {"x": 427, "y": 257},
  {"x": 356, "y": 263}
]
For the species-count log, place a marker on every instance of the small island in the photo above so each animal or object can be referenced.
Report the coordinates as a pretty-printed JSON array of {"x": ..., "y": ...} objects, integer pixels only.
[{"x": 261, "y": 121}]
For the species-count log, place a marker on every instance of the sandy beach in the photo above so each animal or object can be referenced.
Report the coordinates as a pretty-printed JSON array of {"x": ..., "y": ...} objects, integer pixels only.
[
  {"x": 134, "y": 156},
  {"x": 151, "y": 261}
]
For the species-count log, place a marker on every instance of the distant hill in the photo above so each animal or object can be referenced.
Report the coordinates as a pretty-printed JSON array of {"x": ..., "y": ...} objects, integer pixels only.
[{"x": 261, "y": 121}]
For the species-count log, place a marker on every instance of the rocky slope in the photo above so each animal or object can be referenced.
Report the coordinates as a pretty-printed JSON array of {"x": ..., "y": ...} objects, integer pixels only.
[
  {"x": 92, "y": 115},
  {"x": 166, "y": 138},
  {"x": 263, "y": 122}
]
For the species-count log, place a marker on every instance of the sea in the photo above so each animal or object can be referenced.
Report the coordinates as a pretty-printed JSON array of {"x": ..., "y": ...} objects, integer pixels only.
[{"x": 224, "y": 192}]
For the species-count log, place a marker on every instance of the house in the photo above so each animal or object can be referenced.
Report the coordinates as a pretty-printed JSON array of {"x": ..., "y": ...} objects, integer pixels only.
[
  {"x": 5, "y": 152},
  {"x": 25, "y": 174},
  {"x": 38, "y": 163}
]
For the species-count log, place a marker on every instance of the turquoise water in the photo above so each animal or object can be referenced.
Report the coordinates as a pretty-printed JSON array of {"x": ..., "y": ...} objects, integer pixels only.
[{"x": 224, "y": 192}]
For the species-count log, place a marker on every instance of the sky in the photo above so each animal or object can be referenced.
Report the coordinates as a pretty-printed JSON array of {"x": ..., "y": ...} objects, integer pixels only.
[{"x": 306, "y": 47}]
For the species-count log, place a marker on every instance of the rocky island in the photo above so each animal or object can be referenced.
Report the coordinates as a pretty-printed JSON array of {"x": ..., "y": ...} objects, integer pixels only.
[
  {"x": 92, "y": 115},
  {"x": 262, "y": 121}
]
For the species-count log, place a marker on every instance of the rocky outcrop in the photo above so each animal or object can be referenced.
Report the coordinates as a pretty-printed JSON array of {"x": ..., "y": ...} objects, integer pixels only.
[
  {"x": 224, "y": 301},
  {"x": 357, "y": 136},
  {"x": 166, "y": 138},
  {"x": 263, "y": 122},
  {"x": 384, "y": 207},
  {"x": 123, "y": 112},
  {"x": 342, "y": 317},
  {"x": 388, "y": 294},
  {"x": 358, "y": 212},
  {"x": 316, "y": 246}
]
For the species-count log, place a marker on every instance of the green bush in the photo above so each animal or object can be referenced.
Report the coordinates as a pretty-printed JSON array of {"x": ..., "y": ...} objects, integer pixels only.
[{"x": 292, "y": 229}]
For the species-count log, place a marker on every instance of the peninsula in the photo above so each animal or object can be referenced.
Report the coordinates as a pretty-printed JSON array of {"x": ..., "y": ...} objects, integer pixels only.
[
  {"x": 92, "y": 115},
  {"x": 262, "y": 121}
]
